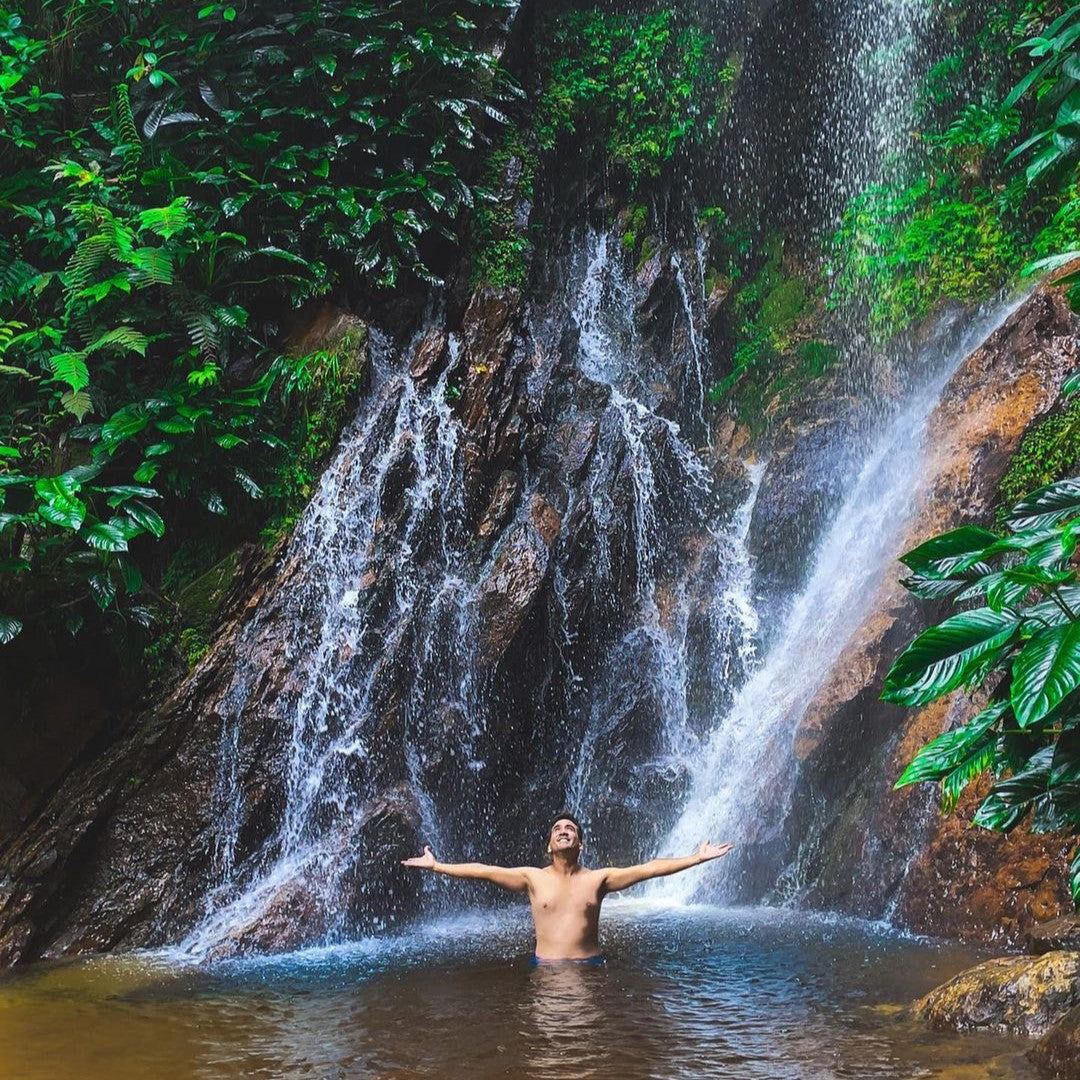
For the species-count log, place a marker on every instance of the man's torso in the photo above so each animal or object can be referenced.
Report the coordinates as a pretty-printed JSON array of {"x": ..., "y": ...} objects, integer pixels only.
[{"x": 566, "y": 913}]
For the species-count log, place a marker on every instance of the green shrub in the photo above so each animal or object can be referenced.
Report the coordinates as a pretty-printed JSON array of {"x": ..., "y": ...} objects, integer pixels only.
[{"x": 639, "y": 85}]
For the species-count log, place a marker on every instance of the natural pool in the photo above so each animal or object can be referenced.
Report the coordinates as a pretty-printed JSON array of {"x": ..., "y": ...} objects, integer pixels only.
[{"x": 687, "y": 992}]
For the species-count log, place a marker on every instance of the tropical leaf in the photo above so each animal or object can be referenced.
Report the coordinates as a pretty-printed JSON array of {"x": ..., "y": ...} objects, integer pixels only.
[
  {"x": 129, "y": 573},
  {"x": 102, "y": 589},
  {"x": 10, "y": 628},
  {"x": 123, "y": 424},
  {"x": 148, "y": 519},
  {"x": 949, "y": 750},
  {"x": 104, "y": 536},
  {"x": 942, "y": 658},
  {"x": 951, "y": 551},
  {"x": 1045, "y": 671},
  {"x": 1047, "y": 506}
]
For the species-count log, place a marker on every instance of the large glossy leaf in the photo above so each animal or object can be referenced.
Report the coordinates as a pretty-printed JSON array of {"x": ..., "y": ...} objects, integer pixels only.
[
  {"x": 939, "y": 758},
  {"x": 9, "y": 628},
  {"x": 994, "y": 813},
  {"x": 958, "y": 757},
  {"x": 1047, "y": 668},
  {"x": 943, "y": 657},
  {"x": 105, "y": 537},
  {"x": 950, "y": 551},
  {"x": 1074, "y": 877},
  {"x": 1047, "y": 506},
  {"x": 148, "y": 519},
  {"x": 1054, "y": 612},
  {"x": 1030, "y": 783},
  {"x": 124, "y": 423}
]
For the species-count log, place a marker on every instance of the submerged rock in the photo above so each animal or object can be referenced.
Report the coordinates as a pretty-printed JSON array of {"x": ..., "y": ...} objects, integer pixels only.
[{"x": 1018, "y": 994}]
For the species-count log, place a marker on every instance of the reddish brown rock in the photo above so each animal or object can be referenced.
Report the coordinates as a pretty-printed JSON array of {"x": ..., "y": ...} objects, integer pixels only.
[
  {"x": 1060, "y": 933},
  {"x": 428, "y": 357}
]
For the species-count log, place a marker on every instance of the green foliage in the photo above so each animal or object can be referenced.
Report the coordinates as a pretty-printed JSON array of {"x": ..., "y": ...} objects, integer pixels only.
[
  {"x": 776, "y": 350},
  {"x": 499, "y": 230},
  {"x": 324, "y": 384},
  {"x": 908, "y": 248},
  {"x": 1023, "y": 643},
  {"x": 1049, "y": 451},
  {"x": 1054, "y": 85},
  {"x": 957, "y": 221},
  {"x": 639, "y": 85},
  {"x": 163, "y": 200}
]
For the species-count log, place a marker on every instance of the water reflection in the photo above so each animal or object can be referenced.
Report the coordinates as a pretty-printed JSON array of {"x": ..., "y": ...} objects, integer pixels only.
[{"x": 686, "y": 993}]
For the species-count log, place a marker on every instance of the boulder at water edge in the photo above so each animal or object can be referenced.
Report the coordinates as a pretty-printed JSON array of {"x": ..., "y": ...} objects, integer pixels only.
[
  {"x": 1057, "y": 1053},
  {"x": 1022, "y": 995}
]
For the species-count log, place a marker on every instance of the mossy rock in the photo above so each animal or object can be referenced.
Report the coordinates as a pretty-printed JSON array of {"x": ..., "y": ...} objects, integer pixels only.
[
  {"x": 782, "y": 308},
  {"x": 199, "y": 604}
]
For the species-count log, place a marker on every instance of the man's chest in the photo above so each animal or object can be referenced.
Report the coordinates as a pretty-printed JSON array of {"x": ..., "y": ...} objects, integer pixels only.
[{"x": 555, "y": 898}]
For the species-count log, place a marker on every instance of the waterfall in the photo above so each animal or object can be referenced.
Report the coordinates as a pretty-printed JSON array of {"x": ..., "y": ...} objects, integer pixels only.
[
  {"x": 658, "y": 636},
  {"x": 647, "y": 686},
  {"x": 743, "y": 777}
]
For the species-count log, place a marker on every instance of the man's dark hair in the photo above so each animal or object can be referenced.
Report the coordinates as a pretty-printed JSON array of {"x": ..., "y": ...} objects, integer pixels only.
[{"x": 564, "y": 816}]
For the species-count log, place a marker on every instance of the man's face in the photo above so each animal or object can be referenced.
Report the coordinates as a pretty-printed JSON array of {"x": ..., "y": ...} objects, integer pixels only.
[{"x": 564, "y": 837}]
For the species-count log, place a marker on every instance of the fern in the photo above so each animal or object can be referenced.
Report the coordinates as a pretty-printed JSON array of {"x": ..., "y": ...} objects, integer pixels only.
[
  {"x": 123, "y": 339},
  {"x": 130, "y": 147},
  {"x": 88, "y": 256},
  {"x": 167, "y": 221},
  {"x": 78, "y": 403},
  {"x": 70, "y": 368},
  {"x": 152, "y": 266}
]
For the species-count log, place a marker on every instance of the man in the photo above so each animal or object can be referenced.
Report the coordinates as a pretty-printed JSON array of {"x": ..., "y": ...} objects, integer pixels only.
[{"x": 565, "y": 897}]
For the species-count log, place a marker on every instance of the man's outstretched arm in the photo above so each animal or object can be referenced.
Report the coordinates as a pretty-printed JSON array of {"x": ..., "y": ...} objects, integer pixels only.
[
  {"x": 509, "y": 877},
  {"x": 623, "y": 877}
]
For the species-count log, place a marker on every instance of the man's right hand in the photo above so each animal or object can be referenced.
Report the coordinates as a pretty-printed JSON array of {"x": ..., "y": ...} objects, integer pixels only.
[{"x": 422, "y": 862}]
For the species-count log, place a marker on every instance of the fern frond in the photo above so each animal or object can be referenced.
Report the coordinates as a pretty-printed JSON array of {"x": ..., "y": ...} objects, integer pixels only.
[
  {"x": 130, "y": 145},
  {"x": 205, "y": 333},
  {"x": 151, "y": 266},
  {"x": 78, "y": 403},
  {"x": 70, "y": 368},
  {"x": 122, "y": 339},
  {"x": 166, "y": 221},
  {"x": 86, "y": 258}
]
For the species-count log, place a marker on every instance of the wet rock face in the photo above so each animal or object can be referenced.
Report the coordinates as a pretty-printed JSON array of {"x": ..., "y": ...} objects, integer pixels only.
[
  {"x": 1017, "y": 994},
  {"x": 475, "y": 564},
  {"x": 871, "y": 846}
]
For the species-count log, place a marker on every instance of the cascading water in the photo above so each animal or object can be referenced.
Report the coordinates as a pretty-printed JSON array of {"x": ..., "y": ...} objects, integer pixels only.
[
  {"x": 744, "y": 777},
  {"x": 659, "y": 635}
]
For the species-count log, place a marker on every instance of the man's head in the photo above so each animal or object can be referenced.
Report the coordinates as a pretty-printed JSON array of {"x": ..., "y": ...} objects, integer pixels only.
[{"x": 566, "y": 837}]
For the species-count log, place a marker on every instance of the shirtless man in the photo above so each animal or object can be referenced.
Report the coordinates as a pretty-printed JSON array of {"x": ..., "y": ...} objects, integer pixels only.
[{"x": 565, "y": 897}]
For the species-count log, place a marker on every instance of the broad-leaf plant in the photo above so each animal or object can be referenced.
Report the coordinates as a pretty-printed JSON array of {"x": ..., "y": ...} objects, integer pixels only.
[{"x": 1017, "y": 641}]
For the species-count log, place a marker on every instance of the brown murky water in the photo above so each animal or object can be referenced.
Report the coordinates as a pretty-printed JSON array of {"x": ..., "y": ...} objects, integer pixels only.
[{"x": 691, "y": 992}]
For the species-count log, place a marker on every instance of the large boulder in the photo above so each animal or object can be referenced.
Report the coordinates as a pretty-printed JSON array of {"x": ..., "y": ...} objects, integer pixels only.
[{"x": 1022, "y": 995}]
